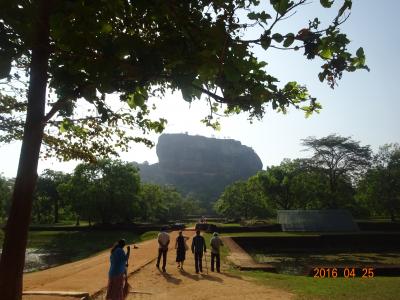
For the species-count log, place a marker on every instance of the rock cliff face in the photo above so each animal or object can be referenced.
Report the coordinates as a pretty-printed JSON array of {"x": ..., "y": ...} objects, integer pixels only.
[{"x": 199, "y": 165}]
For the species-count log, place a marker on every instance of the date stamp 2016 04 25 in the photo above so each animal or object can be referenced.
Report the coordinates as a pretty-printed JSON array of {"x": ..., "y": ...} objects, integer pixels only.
[{"x": 346, "y": 272}]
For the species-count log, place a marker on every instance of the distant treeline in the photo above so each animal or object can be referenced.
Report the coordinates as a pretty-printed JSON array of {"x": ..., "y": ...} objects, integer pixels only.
[
  {"x": 340, "y": 174},
  {"x": 106, "y": 192}
]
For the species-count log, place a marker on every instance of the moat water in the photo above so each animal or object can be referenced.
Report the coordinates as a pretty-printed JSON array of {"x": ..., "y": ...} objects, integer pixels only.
[{"x": 39, "y": 259}]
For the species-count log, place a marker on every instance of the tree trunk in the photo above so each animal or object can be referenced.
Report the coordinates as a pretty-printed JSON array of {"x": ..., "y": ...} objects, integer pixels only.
[
  {"x": 56, "y": 210},
  {"x": 16, "y": 232},
  {"x": 39, "y": 216},
  {"x": 392, "y": 215}
]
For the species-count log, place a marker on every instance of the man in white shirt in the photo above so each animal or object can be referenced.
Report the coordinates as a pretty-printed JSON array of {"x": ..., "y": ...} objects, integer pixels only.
[{"x": 163, "y": 242}]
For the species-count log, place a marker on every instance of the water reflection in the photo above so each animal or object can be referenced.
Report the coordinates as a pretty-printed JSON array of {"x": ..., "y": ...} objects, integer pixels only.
[{"x": 39, "y": 259}]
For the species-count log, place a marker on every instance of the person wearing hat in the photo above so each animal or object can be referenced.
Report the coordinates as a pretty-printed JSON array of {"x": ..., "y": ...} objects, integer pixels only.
[{"x": 215, "y": 243}]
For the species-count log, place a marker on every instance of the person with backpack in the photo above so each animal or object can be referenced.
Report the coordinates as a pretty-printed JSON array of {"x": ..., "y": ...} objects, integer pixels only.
[
  {"x": 215, "y": 243},
  {"x": 198, "y": 246}
]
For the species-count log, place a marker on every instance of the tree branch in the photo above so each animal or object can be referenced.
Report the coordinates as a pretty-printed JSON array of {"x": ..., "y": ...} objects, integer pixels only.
[
  {"x": 56, "y": 107},
  {"x": 211, "y": 94}
]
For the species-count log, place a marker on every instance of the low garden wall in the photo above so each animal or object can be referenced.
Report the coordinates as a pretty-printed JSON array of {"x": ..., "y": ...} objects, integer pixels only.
[{"x": 346, "y": 242}]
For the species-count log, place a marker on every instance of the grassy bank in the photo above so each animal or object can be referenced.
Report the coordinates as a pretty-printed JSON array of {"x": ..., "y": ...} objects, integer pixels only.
[
  {"x": 74, "y": 245},
  {"x": 304, "y": 287}
]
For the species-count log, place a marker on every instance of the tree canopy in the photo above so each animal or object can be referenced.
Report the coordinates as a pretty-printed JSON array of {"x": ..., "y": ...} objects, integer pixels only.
[
  {"x": 139, "y": 49},
  {"x": 338, "y": 169},
  {"x": 104, "y": 191},
  {"x": 47, "y": 197},
  {"x": 5, "y": 193},
  {"x": 338, "y": 157},
  {"x": 242, "y": 199},
  {"x": 84, "y": 50},
  {"x": 380, "y": 188}
]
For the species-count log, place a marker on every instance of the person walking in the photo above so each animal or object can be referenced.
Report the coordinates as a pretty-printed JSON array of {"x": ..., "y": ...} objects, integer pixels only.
[
  {"x": 163, "y": 242},
  {"x": 181, "y": 247},
  {"x": 117, "y": 275},
  {"x": 215, "y": 244},
  {"x": 198, "y": 246}
]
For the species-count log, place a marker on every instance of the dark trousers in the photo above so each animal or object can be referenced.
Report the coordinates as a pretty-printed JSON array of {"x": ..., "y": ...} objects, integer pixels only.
[
  {"x": 198, "y": 257},
  {"x": 163, "y": 253},
  {"x": 216, "y": 257}
]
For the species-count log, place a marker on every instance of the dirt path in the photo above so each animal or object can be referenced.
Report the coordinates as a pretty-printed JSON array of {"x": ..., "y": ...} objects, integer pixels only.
[
  {"x": 151, "y": 283},
  {"x": 87, "y": 275},
  {"x": 90, "y": 275}
]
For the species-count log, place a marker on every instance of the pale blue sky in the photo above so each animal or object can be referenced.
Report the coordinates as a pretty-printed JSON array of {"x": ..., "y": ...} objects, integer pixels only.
[{"x": 365, "y": 105}]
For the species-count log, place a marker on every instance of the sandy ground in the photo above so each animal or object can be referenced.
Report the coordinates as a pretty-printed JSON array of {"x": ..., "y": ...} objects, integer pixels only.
[
  {"x": 151, "y": 283},
  {"x": 87, "y": 275},
  {"x": 31, "y": 297},
  {"x": 90, "y": 275}
]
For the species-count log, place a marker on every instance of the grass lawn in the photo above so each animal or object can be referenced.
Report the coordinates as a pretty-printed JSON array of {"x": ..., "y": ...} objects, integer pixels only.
[
  {"x": 304, "y": 287},
  {"x": 329, "y": 259},
  {"x": 225, "y": 224},
  {"x": 69, "y": 223}
]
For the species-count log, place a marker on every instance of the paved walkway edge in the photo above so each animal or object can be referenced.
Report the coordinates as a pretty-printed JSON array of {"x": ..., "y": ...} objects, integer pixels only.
[
  {"x": 102, "y": 290},
  {"x": 242, "y": 260}
]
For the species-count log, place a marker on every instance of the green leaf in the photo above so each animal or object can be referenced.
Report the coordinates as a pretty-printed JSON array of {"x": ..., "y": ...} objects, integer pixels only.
[
  {"x": 346, "y": 5},
  {"x": 106, "y": 28},
  {"x": 196, "y": 92},
  {"x": 289, "y": 40},
  {"x": 277, "y": 37},
  {"x": 359, "y": 60},
  {"x": 265, "y": 42},
  {"x": 231, "y": 73},
  {"x": 65, "y": 125},
  {"x": 326, "y": 3},
  {"x": 89, "y": 92},
  {"x": 262, "y": 16},
  {"x": 187, "y": 94},
  {"x": 139, "y": 99},
  {"x": 131, "y": 100},
  {"x": 281, "y": 6},
  {"x": 326, "y": 54},
  {"x": 252, "y": 16},
  {"x": 360, "y": 53}
]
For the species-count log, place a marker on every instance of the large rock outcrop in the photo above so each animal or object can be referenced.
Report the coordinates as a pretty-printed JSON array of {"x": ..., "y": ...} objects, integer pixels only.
[{"x": 199, "y": 165}]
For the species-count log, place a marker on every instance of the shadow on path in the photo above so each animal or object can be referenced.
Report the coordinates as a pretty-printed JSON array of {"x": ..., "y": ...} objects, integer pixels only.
[
  {"x": 211, "y": 278},
  {"x": 171, "y": 278},
  {"x": 189, "y": 275}
]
